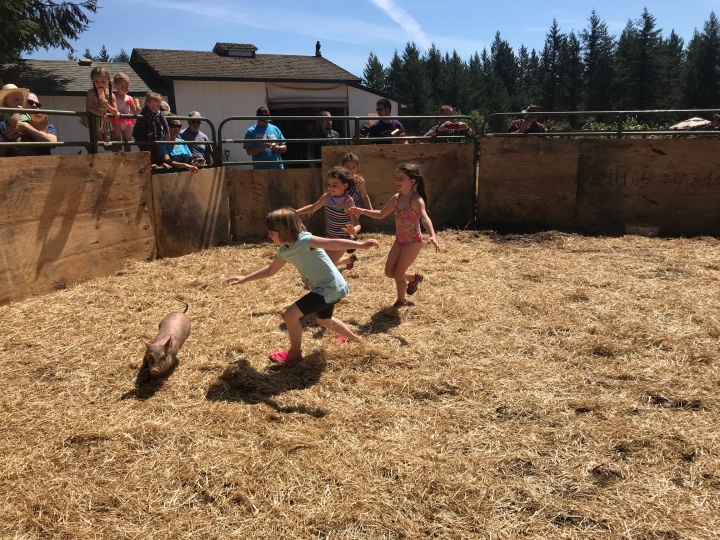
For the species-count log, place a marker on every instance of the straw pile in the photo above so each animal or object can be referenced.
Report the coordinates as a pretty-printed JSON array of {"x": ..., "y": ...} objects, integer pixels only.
[{"x": 539, "y": 386}]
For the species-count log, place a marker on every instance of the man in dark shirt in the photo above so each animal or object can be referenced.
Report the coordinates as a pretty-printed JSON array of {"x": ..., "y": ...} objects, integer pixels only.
[
  {"x": 325, "y": 134},
  {"x": 529, "y": 123},
  {"x": 385, "y": 127}
]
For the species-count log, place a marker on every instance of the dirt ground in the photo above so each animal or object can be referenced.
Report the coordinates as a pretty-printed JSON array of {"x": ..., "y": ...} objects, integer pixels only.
[{"x": 538, "y": 386}]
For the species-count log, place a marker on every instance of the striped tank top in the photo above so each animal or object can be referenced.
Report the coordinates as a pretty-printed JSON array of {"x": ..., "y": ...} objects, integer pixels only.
[{"x": 335, "y": 217}]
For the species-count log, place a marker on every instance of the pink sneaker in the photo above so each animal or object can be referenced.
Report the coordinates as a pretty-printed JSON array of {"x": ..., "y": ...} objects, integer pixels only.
[{"x": 283, "y": 357}]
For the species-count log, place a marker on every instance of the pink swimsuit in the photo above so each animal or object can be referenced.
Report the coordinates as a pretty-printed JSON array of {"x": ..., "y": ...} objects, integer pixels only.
[
  {"x": 407, "y": 225},
  {"x": 124, "y": 107}
]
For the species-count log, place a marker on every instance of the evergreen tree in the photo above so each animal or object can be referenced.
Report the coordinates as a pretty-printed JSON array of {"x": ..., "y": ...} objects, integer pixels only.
[
  {"x": 456, "y": 86},
  {"x": 414, "y": 87},
  {"x": 638, "y": 78},
  {"x": 374, "y": 74},
  {"x": 122, "y": 56},
  {"x": 476, "y": 85},
  {"x": 393, "y": 74},
  {"x": 703, "y": 66},
  {"x": 504, "y": 63},
  {"x": 571, "y": 74},
  {"x": 435, "y": 69},
  {"x": 550, "y": 67},
  {"x": 28, "y": 25},
  {"x": 598, "y": 48},
  {"x": 673, "y": 68},
  {"x": 103, "y": 55}
]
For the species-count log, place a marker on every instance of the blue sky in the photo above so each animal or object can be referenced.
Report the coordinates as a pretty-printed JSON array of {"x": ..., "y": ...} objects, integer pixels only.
[{"x": 349, "y": 31}]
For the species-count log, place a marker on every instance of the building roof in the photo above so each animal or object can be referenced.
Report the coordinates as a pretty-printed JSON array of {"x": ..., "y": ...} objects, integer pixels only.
[
  {"x": 57, "y": 77},
  {"x": 198, "y": 65}
]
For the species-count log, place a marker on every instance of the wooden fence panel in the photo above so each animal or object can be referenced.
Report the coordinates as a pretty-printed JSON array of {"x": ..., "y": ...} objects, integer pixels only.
[
  {"x": 252, "y": 194},
  {"x": 69, "y": 219},
  {"x": 527, "y": 180},
  {"x": 190, "y": 211},
  {"x": 673, "y": 184}
]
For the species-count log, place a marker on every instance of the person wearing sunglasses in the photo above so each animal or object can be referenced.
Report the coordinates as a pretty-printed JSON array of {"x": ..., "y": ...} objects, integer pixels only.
[
  {"x": 37, "y": 129},
  {"x": 269, "y": 142},
  {"x": 201, "y": 153},
  {"x": 177, "y": 156},
  {"x": 386, "y": 126}
]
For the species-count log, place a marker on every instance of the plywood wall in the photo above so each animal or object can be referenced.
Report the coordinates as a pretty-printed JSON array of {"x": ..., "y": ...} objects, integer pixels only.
[
  {"x": 673, "y": 184},
  {"x": 190, "y": 211},
  {"x": 69, "y": 219}
]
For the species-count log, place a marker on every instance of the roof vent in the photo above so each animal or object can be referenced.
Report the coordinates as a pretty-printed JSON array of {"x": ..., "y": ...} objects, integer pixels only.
[
  {"x": 85, "y": 62},
  {"x": 242, "y": 50}
]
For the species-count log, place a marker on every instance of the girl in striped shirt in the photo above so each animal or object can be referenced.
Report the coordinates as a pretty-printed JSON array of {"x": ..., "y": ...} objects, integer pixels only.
[{"x": 338, "y": 222}]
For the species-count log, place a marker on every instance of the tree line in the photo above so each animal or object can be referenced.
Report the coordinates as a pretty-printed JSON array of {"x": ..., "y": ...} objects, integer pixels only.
[{"x": 589, "y": 70}]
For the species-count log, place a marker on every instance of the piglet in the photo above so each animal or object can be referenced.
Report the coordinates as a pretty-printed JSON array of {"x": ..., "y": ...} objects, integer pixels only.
[{"x": 162, "y": 350}]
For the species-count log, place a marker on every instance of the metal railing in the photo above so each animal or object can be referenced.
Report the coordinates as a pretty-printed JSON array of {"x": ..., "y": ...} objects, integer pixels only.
[
  {"x": 357, "y": 139},
  {"x": 92, "y": 145},
  {"x": 616, "y": 117}
]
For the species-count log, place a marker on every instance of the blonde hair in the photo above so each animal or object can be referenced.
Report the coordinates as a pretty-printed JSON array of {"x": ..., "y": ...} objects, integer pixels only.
[
  {"x": 286, "y": 223},
  {"x": 121, "y": 77},
  {"x": 153, "y": 96}
]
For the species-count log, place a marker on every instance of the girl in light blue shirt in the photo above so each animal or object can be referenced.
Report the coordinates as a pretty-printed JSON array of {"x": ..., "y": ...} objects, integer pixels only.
[{"x": 326, "y": 284}]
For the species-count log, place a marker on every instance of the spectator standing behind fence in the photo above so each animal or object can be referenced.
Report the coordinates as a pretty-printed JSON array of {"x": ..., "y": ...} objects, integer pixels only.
[
  {"x": 450, "y": 127},
  {"x": 201, "y": 153},
  {"x": 151, "y": 126},
  {"x": 386, "y": 126},
  {"x": 325, "y": 134},
  {"x": 100, "y": 101},
  {"x": 528, "y": 123},
  {"x": 122, "y": 127},
  {"x": 270, "y": 143},
  {"x": 37, "y": 129}
]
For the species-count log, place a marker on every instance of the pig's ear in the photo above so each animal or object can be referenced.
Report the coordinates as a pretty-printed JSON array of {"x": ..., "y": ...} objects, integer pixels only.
[
  {"x": 145, "y": 341},
  {"x": 167, "y": 344}
]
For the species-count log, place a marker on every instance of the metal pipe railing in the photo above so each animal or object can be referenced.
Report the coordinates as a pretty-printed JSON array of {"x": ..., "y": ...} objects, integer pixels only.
[{"x": 618, "y": 116}]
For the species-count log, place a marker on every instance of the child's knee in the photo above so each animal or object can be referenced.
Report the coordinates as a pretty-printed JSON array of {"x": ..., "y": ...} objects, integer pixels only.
[
  {"x": 389, "y": 272},
  {"x": 327, "y": 323}
]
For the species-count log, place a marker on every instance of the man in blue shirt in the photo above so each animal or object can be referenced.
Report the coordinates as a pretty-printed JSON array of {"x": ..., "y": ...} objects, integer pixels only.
[{"x": 270, "y": 143}]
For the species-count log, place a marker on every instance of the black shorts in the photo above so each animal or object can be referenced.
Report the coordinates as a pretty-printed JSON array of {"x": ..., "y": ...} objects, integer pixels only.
[{"x": 315, "y": 303}]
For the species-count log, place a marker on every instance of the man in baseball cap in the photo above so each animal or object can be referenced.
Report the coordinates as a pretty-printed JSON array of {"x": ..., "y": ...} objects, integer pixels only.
[{"x": 266, "y": 144}]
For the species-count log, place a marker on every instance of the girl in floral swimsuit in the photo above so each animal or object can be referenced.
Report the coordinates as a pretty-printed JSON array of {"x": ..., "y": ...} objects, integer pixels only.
[
  {"x": 409, "y": 206},
  {"x": 338, "y": 222}
]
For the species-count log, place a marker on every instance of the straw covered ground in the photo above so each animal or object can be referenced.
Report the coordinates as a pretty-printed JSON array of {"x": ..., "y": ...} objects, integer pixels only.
[{"x": 538, "y": 386}]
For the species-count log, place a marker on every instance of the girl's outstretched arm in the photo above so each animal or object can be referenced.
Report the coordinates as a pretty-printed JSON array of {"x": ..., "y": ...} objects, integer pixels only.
[
  {"x": 339, "y": 244},
  {"x": 314, "y": 207},
  {"x": 418, "y": 206},
  {"x": 262, "y": 273},
  {"x": 375, "y": 214}
]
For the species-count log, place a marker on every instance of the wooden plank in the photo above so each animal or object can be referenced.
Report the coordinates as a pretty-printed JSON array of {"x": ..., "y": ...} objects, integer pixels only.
[
  {"x": 68, "y": 219},
  {"x": 252, "y": 194},
  {"x": 527, "y": 180},
  {"x": 191, "y": 211},
  {"x": 673, "y": 184}
]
